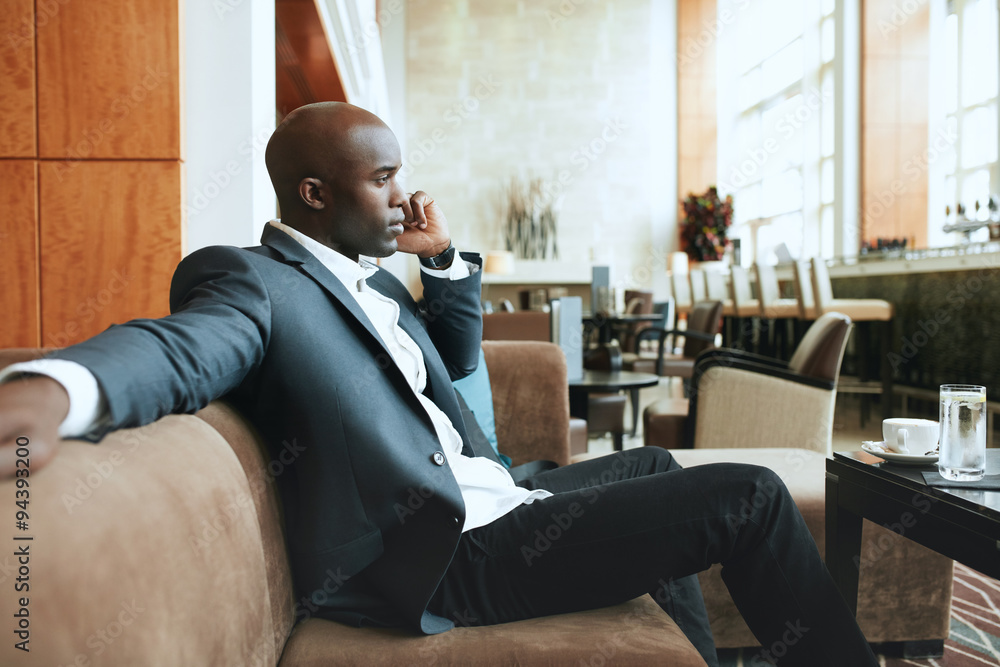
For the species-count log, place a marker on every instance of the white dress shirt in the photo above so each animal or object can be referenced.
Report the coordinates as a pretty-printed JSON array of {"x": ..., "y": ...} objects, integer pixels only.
[{"x": 487, "y": 488}]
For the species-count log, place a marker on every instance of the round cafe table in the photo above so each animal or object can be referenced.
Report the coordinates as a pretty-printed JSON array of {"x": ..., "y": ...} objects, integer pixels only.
[{"x": 608, "y": 382}]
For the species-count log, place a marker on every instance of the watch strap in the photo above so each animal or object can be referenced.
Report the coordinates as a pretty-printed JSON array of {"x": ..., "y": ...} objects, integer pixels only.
[{"x": 438, "y": 261}]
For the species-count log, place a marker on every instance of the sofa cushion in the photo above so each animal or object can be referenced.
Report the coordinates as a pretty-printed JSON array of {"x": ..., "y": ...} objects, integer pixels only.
[
  {"x": 478, "y": 395},
  {"x": 635, "y": 633}
]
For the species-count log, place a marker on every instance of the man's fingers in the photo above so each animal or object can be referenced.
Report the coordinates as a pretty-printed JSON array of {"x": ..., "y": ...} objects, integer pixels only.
[
  {"x": 407, "y": 211},
  {"x": 417, "y": 201}
]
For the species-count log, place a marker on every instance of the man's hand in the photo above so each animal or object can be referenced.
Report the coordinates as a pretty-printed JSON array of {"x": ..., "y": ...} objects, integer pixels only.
[
  {"x": 32, "y": 407},
  {"x": 426, "y": 229}
]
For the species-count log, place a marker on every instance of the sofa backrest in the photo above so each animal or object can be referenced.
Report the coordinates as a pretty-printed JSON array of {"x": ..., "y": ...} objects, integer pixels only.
[{"x": 519, "y": 325}]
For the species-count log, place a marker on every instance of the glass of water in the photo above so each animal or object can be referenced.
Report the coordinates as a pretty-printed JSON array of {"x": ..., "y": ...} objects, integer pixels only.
[{"x": 963, "y": 432}]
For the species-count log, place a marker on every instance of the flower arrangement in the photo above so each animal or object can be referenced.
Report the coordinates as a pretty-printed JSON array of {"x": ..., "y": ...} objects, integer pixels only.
[
  {"x": 529, "y": 218},
  {"x": 706, "y": 221}
]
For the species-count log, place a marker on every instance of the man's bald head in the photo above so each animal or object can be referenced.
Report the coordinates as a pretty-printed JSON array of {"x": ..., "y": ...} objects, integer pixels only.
[
  {"x": 334, "y": 169},
  {"x": 317, "y": 141}
]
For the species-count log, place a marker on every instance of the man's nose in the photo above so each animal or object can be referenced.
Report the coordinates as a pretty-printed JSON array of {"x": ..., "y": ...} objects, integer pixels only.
[{"x": 398, "y": 197}]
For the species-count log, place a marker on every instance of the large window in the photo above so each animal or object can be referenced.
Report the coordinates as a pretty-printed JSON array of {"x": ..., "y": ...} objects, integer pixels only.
[
  {"x": 967, "y": 80},
  {"x": 776, "y": 125}
]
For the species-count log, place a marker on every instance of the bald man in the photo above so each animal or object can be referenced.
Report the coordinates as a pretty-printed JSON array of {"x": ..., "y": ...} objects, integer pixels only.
[{"x": 314, "y": 345}]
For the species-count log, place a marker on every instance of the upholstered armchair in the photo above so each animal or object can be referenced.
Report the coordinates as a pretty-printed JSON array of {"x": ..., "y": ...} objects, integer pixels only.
[{"x": 741, "y": 399}]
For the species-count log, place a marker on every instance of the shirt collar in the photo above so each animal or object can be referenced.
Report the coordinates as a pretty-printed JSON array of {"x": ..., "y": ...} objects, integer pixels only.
[{"x": 347, "y": 271}]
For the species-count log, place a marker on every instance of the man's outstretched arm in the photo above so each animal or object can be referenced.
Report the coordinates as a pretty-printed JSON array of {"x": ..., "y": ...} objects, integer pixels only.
[{"x": 149, "y": 368}]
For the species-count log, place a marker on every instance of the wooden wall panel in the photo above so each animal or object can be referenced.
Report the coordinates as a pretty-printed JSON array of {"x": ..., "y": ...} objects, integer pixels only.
[
  {"x": 17, "y": 79},
  {"x": 19, "y": 253},
  {"x": 109, "y": 80},
  {"x": 110, "y": 241}
]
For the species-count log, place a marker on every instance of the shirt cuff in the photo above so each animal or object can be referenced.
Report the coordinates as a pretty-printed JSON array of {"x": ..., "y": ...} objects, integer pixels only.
[
  {"x": 459, "y": 269},
  {"x": 86, "y": 403}
]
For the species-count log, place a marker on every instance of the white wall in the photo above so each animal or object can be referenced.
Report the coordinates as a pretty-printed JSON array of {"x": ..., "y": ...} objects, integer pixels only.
[{"x": 229, "y": 115}]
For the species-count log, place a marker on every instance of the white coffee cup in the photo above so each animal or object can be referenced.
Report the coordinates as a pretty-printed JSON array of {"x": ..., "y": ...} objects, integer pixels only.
[{"x": 915, "y": 437}]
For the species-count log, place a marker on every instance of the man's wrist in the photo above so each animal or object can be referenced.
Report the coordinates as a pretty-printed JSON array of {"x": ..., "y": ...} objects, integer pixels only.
[{"x": 440, "y": 259}]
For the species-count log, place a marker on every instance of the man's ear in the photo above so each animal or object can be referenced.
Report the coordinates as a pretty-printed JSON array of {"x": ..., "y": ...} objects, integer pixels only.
[{"x": 312, "y": 192}]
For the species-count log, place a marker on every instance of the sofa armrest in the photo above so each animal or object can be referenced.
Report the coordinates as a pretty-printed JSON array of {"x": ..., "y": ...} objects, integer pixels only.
[{"x": 530, "y": 399}]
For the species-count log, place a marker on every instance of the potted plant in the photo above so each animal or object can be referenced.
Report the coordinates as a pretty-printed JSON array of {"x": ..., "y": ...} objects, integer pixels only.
[
  {"x": 529, "y": 217},
  {"x": 705, "y": 226}
]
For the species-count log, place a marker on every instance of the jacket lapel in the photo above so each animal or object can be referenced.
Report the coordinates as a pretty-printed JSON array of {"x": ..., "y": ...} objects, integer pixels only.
[{"x": 294, "y": 253}]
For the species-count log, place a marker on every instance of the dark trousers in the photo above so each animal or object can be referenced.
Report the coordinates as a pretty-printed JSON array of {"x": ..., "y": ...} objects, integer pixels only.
[{"x": 634, "y": 523}]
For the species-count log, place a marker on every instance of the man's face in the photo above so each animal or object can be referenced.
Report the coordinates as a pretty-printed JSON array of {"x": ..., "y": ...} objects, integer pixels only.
[{"x": 365, "y": 212}]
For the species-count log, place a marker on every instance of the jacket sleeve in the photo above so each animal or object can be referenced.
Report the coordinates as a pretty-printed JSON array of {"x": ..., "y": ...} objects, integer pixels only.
[
  {"x": 216, "y": 336},
  {"x": 453, "y": 315}
]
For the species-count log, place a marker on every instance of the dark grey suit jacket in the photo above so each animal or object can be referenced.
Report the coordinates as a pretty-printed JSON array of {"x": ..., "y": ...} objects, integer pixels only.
[{"x": 273, "y": 331}]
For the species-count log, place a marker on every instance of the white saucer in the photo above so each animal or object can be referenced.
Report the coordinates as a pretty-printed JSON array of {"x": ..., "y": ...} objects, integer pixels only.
[{"x": 903, "y": 459}]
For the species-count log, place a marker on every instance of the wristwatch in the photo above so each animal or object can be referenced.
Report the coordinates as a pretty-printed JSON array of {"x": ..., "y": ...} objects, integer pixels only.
[{"x": 440, "y": 261}]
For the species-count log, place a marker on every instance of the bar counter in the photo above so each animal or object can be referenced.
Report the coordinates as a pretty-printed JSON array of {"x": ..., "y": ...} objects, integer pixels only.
[{"x": 946, "y": 327}]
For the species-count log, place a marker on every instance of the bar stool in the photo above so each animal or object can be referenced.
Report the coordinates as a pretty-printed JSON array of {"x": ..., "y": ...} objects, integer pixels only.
[
  {"x": 682, "y": 293},
  {"x": 777, "y": 312},
  {"x": 698, "y": 291},
  {"x": 745, "y": 306},
  {"x": 872, "y": 313},
  {"x": 718, "y": 290}
]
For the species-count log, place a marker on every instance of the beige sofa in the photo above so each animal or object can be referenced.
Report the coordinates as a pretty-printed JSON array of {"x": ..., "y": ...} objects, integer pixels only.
[{"x": 163, "y": 546}]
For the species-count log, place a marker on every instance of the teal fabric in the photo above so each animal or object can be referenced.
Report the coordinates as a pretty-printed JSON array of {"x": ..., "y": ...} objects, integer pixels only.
[{"x": 478, "y": 395}]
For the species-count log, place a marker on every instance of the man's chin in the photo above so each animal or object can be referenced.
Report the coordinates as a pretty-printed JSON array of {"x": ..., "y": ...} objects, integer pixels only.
[{"x": 386, "y": 250}]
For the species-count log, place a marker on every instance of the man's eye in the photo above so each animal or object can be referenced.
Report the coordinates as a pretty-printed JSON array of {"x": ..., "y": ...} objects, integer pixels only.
[{"x": 383, "y": 179}]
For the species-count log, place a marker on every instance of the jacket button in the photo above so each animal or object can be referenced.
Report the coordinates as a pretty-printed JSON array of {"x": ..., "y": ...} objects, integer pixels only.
[{"x": 438, "y": 458}]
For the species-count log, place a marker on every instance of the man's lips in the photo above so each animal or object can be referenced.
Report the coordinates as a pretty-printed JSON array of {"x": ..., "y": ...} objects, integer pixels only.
[{"x": 397, "y": 227}]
